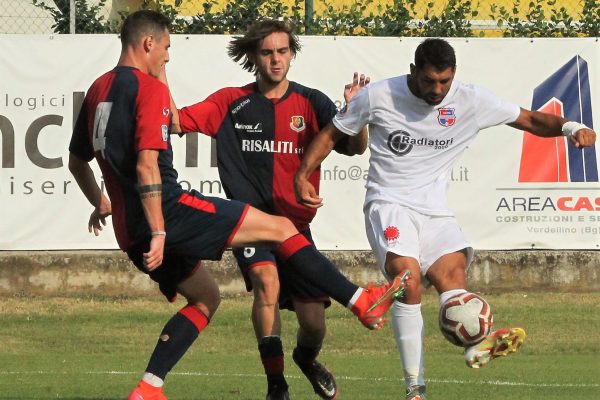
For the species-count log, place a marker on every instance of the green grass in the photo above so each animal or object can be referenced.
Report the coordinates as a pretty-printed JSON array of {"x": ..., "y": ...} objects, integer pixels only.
[{"x": 97, "y": 348}]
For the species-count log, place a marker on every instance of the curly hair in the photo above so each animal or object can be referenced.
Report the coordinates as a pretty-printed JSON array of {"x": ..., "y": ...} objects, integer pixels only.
[{"x": 241, "y": 46}]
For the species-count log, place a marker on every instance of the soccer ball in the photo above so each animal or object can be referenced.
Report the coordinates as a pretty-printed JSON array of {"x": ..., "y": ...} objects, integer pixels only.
[{"x": 466, "y": 319}]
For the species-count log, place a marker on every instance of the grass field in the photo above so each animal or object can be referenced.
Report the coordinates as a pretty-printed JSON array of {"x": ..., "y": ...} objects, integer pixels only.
[{"x": 97, "y": 348}]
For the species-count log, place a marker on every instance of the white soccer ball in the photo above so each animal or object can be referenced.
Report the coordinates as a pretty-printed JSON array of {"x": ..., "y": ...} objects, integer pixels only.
[{"x": 466, "y": 319}]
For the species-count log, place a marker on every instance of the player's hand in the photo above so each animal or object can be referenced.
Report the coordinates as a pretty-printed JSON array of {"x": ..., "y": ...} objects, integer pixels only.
[
  {"x": 584, "y": 138},
  {"x": 98, "y": 217},
  {"x": 154, "y": 257},
  {"x": 306, "y": 194},
  {"x": 358, "y": 83}
]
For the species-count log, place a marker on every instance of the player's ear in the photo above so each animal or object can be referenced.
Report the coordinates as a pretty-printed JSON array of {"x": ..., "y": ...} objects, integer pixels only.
[{"x": 148, "y": 43}]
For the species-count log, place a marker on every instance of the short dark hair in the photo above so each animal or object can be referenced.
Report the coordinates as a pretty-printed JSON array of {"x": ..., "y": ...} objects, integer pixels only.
[
  {"x": 142, "y": 23},
  {"x": 435, "y": 52},
  {"x": 239, "y": 48}
]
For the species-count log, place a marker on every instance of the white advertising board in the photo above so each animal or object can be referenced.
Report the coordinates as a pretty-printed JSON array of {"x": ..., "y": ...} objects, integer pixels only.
[{"x": 496, "y": 192}]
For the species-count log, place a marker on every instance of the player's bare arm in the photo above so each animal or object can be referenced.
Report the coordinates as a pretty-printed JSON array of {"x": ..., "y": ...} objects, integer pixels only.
[
  {"x": 355, "y": 145},
  {"x": 175, "y": 127},
  {"x": 549, "y": 125},
  {"x": 318, "y": 150},
  {"x": 150, "y": 191},
  {"x": 84, "y": 176}
]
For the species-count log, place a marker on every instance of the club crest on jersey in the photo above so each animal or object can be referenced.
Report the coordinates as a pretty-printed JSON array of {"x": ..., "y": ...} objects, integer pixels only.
[
  {"x": 297, "y": 123},
  {"x": 165, "y": 132},
  {"x": 446, "y": 116},
  {"x": 391, "y": 233}
]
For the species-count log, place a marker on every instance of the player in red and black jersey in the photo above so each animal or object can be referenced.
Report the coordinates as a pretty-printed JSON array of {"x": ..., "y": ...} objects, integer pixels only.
[
  {"x": 261, "y": 131},
  {"x": 166, "y": 231}
]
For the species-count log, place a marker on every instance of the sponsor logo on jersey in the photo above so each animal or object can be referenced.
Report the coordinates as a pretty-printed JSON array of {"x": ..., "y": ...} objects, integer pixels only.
[
  {"x": 166, "y": 111},
  {"x": 446, "y": 116},
  {"x": 249, "y": 128},
  {"x": 270, "y": 146},
  {"x": 240, "y": 106},
  {"x": 391, "y": 233},
  {"x": 401, "y": 143},
  {"x": 565, "y": 93},
  {"x": 297, "y": 123},
  {"x": 165, "y": 132}
]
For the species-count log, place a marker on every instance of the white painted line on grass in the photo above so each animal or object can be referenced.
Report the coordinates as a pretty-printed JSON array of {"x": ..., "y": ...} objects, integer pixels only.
[{"x": 347, "y": 378}]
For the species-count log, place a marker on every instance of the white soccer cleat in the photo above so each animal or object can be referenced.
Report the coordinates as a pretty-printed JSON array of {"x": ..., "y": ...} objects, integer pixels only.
[
  {"x": 415, "y": 392},
  {"x": 497, "y": 344}
]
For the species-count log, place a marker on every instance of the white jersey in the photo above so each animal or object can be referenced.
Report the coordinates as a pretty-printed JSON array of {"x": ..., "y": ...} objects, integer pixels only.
[{"x": 413, "y": 145}]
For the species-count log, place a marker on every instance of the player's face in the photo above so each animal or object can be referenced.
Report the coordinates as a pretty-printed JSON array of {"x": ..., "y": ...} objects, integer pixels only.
[
  {"x": 273, "y": 58},
  {"x": 430, "y": 84},
  {"x": 158, "y": 54}
]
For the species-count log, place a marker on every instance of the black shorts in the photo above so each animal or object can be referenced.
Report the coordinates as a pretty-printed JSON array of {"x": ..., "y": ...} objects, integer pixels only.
[
  {"x": 198, "y": 228},
  {"x": 292, "y": 285}
]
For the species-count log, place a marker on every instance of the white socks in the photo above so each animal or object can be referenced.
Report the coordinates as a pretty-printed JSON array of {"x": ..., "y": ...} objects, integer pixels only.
[
  {"x": 444, "y": 297},
  {"x": 407, "y": 324},
  {"x": 354, "y": 298},
  {"x": 153, "y": 380}
]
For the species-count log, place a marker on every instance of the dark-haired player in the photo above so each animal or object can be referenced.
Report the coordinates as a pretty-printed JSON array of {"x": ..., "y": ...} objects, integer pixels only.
[
  {"x": 166, "y": 231},
  {"x": 419, "y": 124}
]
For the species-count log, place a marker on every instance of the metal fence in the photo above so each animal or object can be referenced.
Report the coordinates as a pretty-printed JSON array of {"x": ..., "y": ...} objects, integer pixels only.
[{"x": 42, "y": 16}]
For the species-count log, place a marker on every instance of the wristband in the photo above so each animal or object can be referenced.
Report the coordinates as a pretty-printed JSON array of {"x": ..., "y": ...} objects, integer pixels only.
[
  {"x": 155, "y": 187},
  {"x": 159, "y": 233},
  {"x": 569, "y": 128}
]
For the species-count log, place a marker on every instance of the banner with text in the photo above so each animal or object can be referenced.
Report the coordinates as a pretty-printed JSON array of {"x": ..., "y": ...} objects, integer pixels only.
[{"x": 510, "y": 190}]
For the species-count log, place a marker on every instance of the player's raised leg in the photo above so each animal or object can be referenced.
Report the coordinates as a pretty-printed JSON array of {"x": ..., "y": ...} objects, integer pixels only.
[
  {"x": 448, "y": 275},
  {"x": 499, "y": 343},
  {"x": 259, "y": 228}
]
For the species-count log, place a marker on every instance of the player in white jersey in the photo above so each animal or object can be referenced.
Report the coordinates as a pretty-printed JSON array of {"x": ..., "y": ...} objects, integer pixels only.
[{"x": 419, "y": 124}]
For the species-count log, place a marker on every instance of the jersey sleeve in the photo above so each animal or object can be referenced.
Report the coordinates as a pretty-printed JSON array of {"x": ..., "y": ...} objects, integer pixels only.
[
  {"x": 324, "y": 108},
  {"x": 355, "y": 115},
  {"x": 80, "y": 144},
  {"x": 492, "y": 110},
  {"x": 206, "y": 116},
  {"x": 153, "y": 116}
]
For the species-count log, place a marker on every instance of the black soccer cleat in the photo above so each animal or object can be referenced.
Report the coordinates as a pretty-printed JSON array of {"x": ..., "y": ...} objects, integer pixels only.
[
  {"x": 320, "y": 378},
  {"x": 278, "y": 393}
]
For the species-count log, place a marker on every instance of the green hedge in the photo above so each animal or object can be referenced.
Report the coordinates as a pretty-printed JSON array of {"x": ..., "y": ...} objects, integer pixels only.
[{"x": 397, "y": 19}]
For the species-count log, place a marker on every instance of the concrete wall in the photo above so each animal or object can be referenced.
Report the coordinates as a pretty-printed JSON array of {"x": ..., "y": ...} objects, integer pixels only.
[{"x": 110, "y": 273}]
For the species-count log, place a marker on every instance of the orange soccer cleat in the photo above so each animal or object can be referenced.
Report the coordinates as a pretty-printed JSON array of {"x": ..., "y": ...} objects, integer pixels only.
[{"x": 374, "y": 301}]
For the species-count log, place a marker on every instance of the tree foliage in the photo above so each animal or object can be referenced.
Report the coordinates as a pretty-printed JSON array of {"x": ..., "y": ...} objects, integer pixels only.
[
  {"x": 87, "y": 17},
  {"x": 542, "y": 18}
]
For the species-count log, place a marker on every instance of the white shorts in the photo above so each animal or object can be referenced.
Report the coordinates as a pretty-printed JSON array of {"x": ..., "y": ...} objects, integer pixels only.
[{"x": 406, "y": 232}]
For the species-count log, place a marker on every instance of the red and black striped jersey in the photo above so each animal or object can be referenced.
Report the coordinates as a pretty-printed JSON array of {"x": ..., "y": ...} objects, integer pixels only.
[
  {"x": 261, "y": 141},
  {"x": 125, "y": 111}
]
